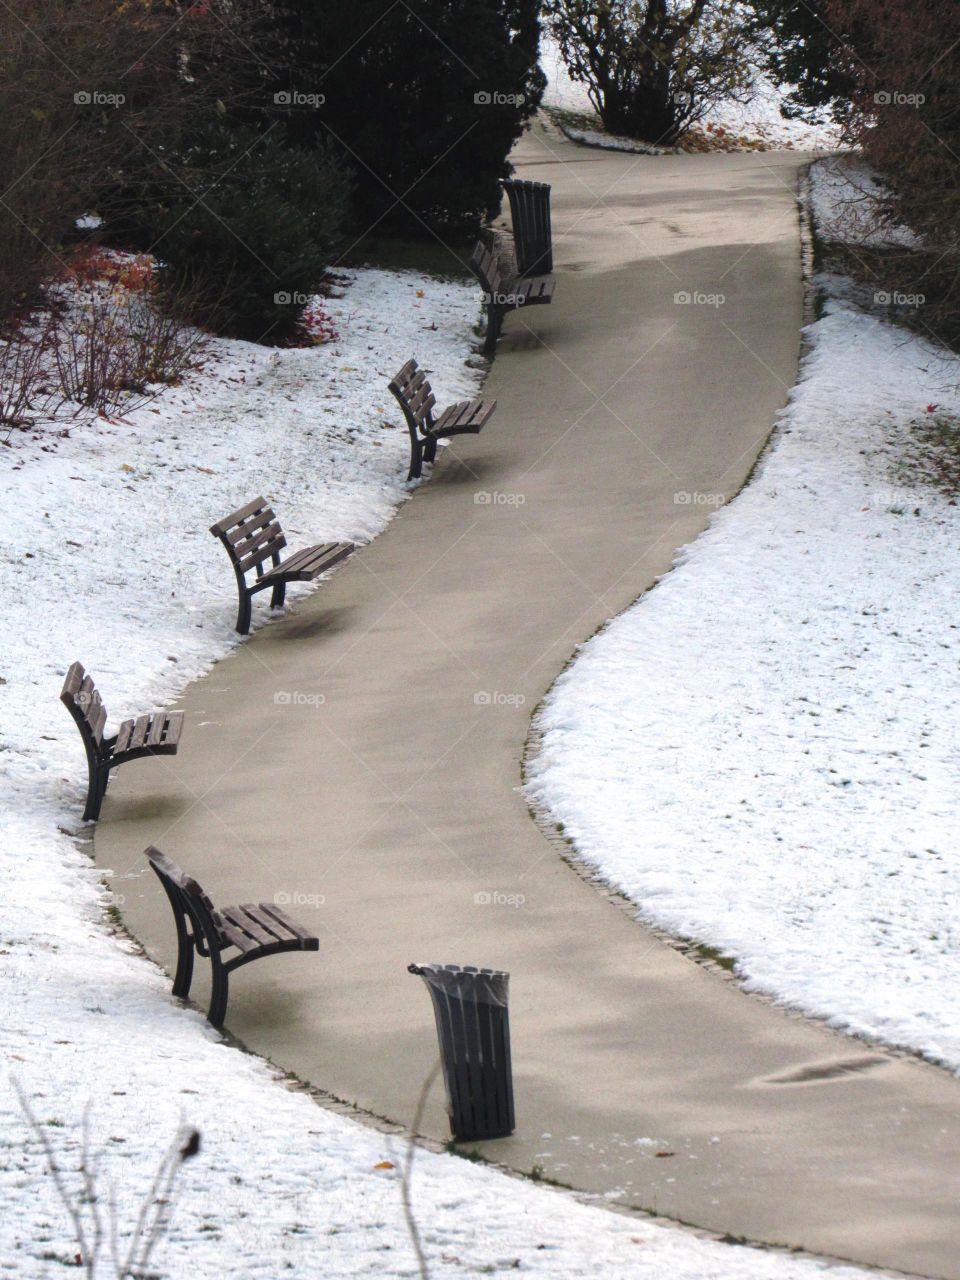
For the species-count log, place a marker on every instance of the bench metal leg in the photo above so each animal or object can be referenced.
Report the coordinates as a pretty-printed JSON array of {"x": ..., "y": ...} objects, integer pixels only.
[
  {"x": 184, "y": 975},
  {"x": 278, "y": 595},
  {"x": 494, "y": 322},
  {"x": 243, "y": 613},
  {"x": 97, "y": 779},
  {"x": 430, "y": 450},
  {"x": 92, "y": 808},
  {"x": 219, "y": 994},
  {"x": 416, "y": 460}
]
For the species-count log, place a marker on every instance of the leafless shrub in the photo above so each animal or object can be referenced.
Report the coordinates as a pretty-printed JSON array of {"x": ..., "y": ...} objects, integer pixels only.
[
  {"x": 110, "y": 346},
  {"x": 25, "y": 390},
  {"x": 93, "y": 1214},
  {"x": 652, "y": 67}
]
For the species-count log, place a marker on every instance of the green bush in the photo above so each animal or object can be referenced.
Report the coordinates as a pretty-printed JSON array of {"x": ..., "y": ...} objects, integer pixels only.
[{"x": 248, "y": 229}]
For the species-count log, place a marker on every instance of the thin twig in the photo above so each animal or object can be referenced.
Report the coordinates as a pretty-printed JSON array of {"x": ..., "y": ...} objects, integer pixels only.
[
  {"x": 406, "y": 1178},
  {"x": 58, "y": 1179}
]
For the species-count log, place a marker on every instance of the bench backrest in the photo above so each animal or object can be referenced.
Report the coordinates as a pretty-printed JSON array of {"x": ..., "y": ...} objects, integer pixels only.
[
  {"x": 411, "y": 388},
  {"x": 185, "y": 894},
  {"x": 251, "y": 535},
  {"x": 79, "y": 695},
  {"x": 532, "y": 235},
  {"x": 484, "y": 265}
]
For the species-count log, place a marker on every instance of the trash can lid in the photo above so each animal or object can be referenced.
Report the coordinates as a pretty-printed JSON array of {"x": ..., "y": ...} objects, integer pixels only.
[{"x": 467, "y": 982}]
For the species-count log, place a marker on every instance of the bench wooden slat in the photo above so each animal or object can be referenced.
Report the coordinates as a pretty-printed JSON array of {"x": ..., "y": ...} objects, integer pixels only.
[
  {"x": 97, "y": 720},
  {"x": 277, "y": 923},
  {"x": 80, "y": 694},
  {"x": 470, "y": 416},
  {"x": 292, "y": 926},
  {"x": 173, "y": 729},
  {"x": 250, "y": 530},
  {"x": 262, "y": 551},
  {"x": 72, "y": 680},
  {"x": 159, "y": 732},
  {"x": 311, "y": 562},
  {"x": 139, "y": 735},
  {"x": 271, "y": 927},
  {"x": 234, "y": 936},
  {"x": 240, "y": 917},
  {"x": 155, "y": 736},
  {"x": 234, "y": 518}
]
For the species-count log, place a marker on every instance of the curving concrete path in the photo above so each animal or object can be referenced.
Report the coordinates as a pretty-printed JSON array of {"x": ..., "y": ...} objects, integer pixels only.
[{"x": 386, "y": 810}]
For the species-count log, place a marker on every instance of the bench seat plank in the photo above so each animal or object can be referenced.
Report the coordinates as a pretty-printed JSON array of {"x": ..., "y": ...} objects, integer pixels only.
[
  {"x": 248, "y": 927},
  {"x": 310, "y": 563},
  {"x": 310, "y": 941},
  {"x": 157, "y": 733},
  {"x": 470, "y": 416}
]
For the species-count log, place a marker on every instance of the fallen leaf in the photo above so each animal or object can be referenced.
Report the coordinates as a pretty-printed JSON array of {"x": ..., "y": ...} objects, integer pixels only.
[
  {"x": 125, "y": 466},
  {"x": 385, "y": 1164},
  {"x": 662, "y": 1155}
]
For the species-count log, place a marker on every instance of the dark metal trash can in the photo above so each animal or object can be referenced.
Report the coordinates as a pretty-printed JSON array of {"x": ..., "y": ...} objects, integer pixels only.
[
  {"x": 532, "y": 233},
  {"x": 473, "y": 1027}
]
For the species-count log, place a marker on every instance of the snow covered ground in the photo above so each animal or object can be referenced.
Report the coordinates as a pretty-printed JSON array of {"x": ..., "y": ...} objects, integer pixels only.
[
  {"x": 754, "y": 122},
  {"x": 783, "y": 784},
  {"x": 107, "y": 559}
]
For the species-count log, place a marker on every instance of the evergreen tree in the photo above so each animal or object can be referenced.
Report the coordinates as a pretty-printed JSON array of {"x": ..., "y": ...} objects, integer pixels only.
[
  {"x": 424, "y": 100},
  {"x": 803, "y": 44}
]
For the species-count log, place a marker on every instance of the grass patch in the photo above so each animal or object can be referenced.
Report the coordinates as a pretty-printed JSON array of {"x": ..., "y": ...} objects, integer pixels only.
[
  {"x": 931, "y": 455},
  {"x": 715, "y": 957}
]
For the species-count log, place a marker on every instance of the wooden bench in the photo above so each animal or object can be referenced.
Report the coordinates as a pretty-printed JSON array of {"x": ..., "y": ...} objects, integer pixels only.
[
  {"x": 532, "y": 235},
  {"x": 252, "y": 931},
  {"x": 156, "y": 734},
  {"x": 412, "y": 390},
  {"x": 252, "y": 536},
  {"x": 501, "y": 296}
]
